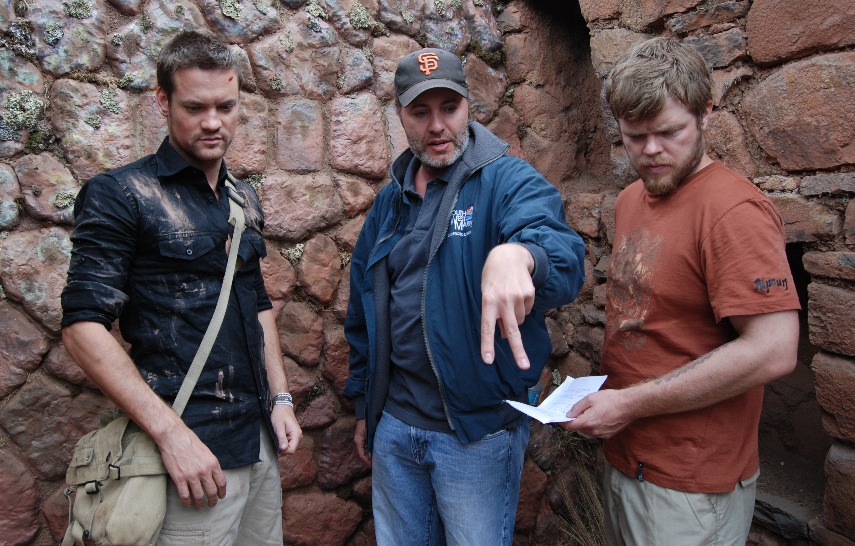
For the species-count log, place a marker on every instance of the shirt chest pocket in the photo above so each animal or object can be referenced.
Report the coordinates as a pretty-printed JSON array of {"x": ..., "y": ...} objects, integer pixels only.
[{"x": 187, "y": 248}]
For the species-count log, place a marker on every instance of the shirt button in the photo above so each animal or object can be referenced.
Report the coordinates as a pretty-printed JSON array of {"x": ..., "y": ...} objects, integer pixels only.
[{"x": 189, "y": 252}]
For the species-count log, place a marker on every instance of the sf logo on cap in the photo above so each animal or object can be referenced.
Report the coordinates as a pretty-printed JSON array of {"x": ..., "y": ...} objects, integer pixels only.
[{"x": 428, "y": 62}]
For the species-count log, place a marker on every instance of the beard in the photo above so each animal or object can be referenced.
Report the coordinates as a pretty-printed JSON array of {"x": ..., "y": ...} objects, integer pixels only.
[
  {"x": 663, "y": 184},
  {"x": 460, "y": 142}
]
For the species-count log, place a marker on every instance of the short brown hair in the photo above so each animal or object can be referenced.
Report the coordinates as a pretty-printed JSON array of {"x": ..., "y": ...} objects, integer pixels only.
[
  {"x": 193, "y": 49},
  {"x": 650, "y": 72}
]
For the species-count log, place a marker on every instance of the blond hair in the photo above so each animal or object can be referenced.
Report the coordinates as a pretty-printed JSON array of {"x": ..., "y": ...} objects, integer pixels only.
[{"x": 650, "y": 72}]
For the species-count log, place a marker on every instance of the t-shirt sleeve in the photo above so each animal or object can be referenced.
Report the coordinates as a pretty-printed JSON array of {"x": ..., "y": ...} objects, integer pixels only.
[{"x": 745, "y": 262}]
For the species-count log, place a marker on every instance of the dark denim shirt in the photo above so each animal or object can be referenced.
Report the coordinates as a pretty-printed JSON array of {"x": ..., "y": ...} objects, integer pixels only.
[{"x": 149, "y": 249}]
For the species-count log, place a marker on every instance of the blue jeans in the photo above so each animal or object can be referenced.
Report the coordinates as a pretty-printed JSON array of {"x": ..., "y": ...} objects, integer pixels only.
[{"x": 429, "y": 488}]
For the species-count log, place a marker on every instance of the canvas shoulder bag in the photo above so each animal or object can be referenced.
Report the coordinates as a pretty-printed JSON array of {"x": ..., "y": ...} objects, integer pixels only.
[{"x": 117, "y": 480}]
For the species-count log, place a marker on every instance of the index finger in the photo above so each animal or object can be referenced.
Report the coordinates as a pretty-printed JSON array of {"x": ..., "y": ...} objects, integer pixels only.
[{"x": 488, "y": 332}]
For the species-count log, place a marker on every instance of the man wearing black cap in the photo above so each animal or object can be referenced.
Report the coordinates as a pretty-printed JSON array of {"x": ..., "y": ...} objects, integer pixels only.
[{"x": 463, "y": 238}]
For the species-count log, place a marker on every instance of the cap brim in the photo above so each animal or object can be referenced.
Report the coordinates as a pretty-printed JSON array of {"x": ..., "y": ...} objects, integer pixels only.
[{"x": 410, "y": 94}]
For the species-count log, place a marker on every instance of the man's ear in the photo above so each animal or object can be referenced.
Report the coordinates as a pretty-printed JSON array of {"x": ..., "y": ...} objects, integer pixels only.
[
  {"x": 706, "y": 114},
  {"x": 162, "y": 101}
]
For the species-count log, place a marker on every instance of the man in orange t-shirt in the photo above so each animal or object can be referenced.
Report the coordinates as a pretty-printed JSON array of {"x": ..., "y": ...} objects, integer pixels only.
[{"x": 701, "y": 312}]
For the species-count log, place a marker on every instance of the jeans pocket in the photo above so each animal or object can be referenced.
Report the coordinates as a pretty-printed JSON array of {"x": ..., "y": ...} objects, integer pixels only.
[{"x": 494, "y": 435}]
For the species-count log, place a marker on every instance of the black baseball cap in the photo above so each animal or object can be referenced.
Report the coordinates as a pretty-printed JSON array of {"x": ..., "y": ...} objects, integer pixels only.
[{"x": 428, "y": 69}]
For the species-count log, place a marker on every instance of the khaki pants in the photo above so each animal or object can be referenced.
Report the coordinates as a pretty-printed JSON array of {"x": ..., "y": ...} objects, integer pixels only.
[
  {"x": 251, "y": 513},
  {"x": 644, "y": 514}
]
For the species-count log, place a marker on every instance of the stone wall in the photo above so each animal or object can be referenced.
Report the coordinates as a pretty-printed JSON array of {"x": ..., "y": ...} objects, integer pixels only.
[{"x": 318, "y": 130}]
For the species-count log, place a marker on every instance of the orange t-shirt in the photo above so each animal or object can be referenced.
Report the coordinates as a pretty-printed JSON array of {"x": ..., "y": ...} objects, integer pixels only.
[{"x": 681, "y": 264}]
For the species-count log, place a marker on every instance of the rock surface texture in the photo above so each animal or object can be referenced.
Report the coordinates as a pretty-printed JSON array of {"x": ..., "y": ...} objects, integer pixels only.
[{"x": 318, "y": 131}]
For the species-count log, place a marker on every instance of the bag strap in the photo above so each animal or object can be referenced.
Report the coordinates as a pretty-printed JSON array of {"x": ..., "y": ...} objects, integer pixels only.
[{"x": 236, "y": 219}]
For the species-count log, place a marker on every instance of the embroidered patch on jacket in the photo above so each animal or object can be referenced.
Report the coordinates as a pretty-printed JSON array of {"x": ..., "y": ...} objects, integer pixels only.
[
  {"x": 765, "y": 285},
  {"x": 461, "y": 223}
]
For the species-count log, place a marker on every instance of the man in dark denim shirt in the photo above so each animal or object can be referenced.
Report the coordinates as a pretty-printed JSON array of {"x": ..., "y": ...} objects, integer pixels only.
[{"x": 150, "y": 248}]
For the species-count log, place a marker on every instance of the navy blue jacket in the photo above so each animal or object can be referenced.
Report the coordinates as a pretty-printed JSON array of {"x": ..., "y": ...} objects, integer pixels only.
[{"x": 491, "y": 199}]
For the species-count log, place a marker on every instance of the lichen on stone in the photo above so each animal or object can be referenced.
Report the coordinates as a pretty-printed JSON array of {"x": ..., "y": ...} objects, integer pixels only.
[
  {"x": 19, "y": 38},
  {"x": 39, "y": 139},
  {"x": 408, "y": 17},
  {"x": 492, "y": 58},
  {"x": 293, "y": 253},
  {"x": 262, "y": 5},
  {"x": 556, "y": 377},
  {"x": 146, "y": 23},
  {"x": 126, "y": 80},
  {"x": 455, "y": 4},
  {"x": 93, "y": 120},
  {"x": 315, "y": 10},
  {"x": 344, "y": 257},
  {"x": 287, "y": 42},
  {"x": 379, "y": 29},
  {"x": 179, "y": 11},
  {"x": 20, "y": 7},
  {"x": 313, "y": 24},
  {"x": 275, "y": 83},
  {"x": 339, "y": 81},
  {"x": 359, "y": 17},
  {"x": 22, "y": 110},
  {"x": 230, "y": 8},
  {"x": 7, "y": 133},
  {"x": 79, "y": 9},
  {"x": 64, "y": 199},
  {"x": 116, "y": 40},
  {"x": 37, "y": 190},
  {"x": 479, "y": 3},
  {"x": 53, "y": 32},
  {"x": 440, "y": 7},
  {"x": 108, "y": 100},
  {"x": 255, "y": 180}
]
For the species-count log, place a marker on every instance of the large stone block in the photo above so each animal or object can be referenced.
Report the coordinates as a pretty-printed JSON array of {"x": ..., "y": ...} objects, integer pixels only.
[
  {"x": 829, "y": 184},
  {"x": 387, "y": 52},
  {"x": 532, "y": 487},
  {"x": 320, "y": 268},
  {"x": 721, "y": 49},
  {"x": 801, "y": 115},
  {"x": 597, "y": 10},
  {"x": 10, "y": 194},
  {"x": 247, "y": 153},
  {"x": 33, "y": 266},
  {"x": 78, "y": 45},
  {"x": 336, "y": 457},
  {"x": 297, "y": 60},
  {"x": 784, "y": 29},
  {"x": 486, "y": 88},
  {"x": 806, "y": 221},
  {"x": 705, "y": 16},
  {"x": 643, "y": 14},
  {"x": 19, "y": 503},
  {"x": 839, "y": 502},
  {"x": 298, "y": 469},
  {"x": 301, "y": 333},
  {"x": 608, "y": 45},
  {"x": 831, "y": 314},
  {"x": 93, "y": 126},
  {"x": 46, "y": 444},
  {"x": 300, "y": 136},
  {"x": 583, "y": 213},
  {"x": 357, "y": 136},
  {"x": 833, "y": 265},
  {"x": 22, "y": 347},
  {"x": 336, "y": 352},
  {"x": 50, "y": 188},
  {"x": 726, "y": 140},
  {"x": 835, "y": 392},
  {"x": 297, "y": 205},
  {"x": 315, "y": 517},
  {"x": 243, "y": 23}
]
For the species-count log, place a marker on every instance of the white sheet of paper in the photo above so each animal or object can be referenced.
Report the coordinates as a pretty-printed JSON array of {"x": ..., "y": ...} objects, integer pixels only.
[{"x": 554, "y": 409}]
